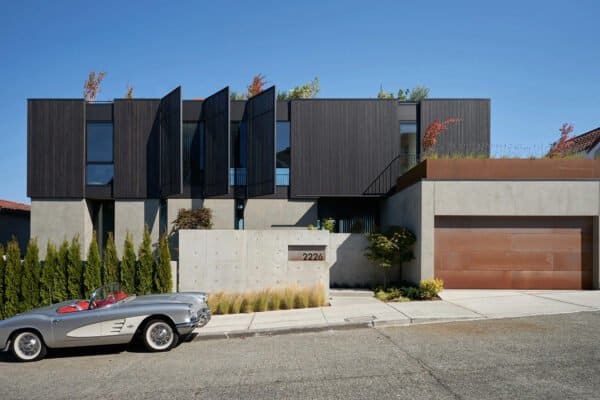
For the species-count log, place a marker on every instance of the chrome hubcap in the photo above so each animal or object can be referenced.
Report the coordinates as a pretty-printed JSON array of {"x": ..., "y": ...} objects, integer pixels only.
[
  {"x": 161, "y": 335},
  {"x": 29, "y": 345}
]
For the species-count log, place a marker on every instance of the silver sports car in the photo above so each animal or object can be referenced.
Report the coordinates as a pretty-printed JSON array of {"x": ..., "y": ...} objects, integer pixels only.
[{"x": 109, "y": 317}]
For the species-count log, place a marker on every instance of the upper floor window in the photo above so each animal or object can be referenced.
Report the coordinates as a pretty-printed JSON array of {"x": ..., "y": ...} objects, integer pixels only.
[
  {"x": 282, "y": 173},
  {"x": 99, "y": 153}
]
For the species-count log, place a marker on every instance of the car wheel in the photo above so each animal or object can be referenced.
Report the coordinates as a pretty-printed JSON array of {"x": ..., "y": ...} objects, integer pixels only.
[
  {"x": 28, "y": 346},
  {"x": 159, "y": 335}
]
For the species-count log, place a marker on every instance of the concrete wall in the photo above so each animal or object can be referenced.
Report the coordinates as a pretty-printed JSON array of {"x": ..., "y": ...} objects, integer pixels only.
[
  {"x": 57, "y": 220},
  {"x": 132, "y": 216},
  {"x": 279, "y": 213},
  {"x": 416, "y": 207},
  {"x": 348, "y": 265},
  {"x": 223, "y": 210},
  {"x": 238, "y": 261}
]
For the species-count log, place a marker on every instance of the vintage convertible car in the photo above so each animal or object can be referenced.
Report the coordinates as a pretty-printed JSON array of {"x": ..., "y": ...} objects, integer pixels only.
[{"x": 109, "y": 317}]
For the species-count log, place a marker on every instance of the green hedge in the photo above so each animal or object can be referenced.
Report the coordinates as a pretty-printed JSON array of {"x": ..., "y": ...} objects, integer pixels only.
[{"x": 29, "y": 283}]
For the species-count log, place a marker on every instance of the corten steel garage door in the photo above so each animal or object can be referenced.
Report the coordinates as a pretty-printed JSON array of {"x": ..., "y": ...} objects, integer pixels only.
[{"x": 514, "y": 252}]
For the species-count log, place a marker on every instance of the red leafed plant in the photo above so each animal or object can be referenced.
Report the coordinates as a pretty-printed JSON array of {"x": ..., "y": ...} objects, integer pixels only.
[
  {"x": 562, "y": 146},
  {"x": 91, "y": 87},
  {"x": 258, "y": 85},
  {"x": 435, "y": 129}
]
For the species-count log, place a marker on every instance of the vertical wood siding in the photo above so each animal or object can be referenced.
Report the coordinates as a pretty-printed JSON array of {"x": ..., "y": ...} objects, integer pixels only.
[
  {"x": 137, "y": 149},
  {"x": 471, "y": 136},
  {"x": 339, "y": 147},
  {"x": 171, "y": 177},
  {"x": 56, "y": 148},
  {"x": 215, "y": 114},
  {"x": 261, "y": 110}
]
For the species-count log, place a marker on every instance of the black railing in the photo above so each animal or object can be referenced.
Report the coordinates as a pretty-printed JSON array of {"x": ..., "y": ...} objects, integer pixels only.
[{"x": 386, "y": 180}]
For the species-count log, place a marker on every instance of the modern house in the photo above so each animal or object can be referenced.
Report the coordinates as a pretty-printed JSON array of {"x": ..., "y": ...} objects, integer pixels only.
[
  {"x": 14, "y": 222},
  {"x": 258, "y": 164}
]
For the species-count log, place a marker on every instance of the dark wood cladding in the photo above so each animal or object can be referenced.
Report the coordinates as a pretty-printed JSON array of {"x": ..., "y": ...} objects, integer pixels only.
[
  {"x": 470, "y": 136},
  {"x": 501, "y": 169},
  {"x": 340, "y": 147},
  {"x": 171, "y": 167},
  {"x": 514, "y": 252},
  {"x": 99, "y": 112},
  {"x": 56, "y": 148},
  {"x": 192, "y": 110},
  {"x": 407, "y": 112},
  {"x": 215, "y": 114},
  {"x": 137, "y": 149},
  {"x": 261, "y": 111}
]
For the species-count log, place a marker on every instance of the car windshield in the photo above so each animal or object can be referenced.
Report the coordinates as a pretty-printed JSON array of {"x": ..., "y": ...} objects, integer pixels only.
[{"x": 106, "y": 295}]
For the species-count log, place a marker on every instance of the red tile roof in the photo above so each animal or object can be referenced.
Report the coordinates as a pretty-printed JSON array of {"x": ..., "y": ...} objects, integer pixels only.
[
  {"x": 584, "y": 142},
  {"x": 11, "y": 205}
]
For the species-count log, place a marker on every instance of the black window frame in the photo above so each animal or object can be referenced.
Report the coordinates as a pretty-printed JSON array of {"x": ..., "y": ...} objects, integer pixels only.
[{"x": 89, "y": 163}]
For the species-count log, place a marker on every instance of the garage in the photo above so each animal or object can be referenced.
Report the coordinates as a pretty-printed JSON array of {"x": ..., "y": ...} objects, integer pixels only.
[{"x": 511, "y": 252}]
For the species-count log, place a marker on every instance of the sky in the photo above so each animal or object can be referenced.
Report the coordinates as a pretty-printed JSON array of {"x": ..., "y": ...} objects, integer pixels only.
[{"x": 536, "y": 60}]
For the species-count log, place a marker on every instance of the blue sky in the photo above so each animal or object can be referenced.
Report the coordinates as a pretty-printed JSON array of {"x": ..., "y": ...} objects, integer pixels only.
[{"x": 537, "y": 61}]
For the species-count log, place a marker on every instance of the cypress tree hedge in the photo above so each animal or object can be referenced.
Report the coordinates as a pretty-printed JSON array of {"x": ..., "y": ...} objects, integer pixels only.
[{"x": 29, "y": 283}]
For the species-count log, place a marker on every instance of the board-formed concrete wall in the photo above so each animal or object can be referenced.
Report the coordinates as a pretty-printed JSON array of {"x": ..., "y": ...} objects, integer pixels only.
[
  {"x": 416, "y": 207},
  {"x": 57, "y": 220},
  {"x": 132, "y": 216},
  {"x": 280, "y": 214},
  {"x": 239, "y": 261}
]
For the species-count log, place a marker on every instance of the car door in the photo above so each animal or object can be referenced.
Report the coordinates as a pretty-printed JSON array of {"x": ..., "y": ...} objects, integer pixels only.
[{"x": 80, "y": 328}]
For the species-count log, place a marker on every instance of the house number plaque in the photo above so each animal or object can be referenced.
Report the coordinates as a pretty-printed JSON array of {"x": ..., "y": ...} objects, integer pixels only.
[{"x": 306, "y": 253}]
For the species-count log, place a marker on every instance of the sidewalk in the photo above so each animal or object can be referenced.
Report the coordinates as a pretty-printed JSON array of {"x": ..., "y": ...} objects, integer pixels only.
[{"x": 354, "y": 309}]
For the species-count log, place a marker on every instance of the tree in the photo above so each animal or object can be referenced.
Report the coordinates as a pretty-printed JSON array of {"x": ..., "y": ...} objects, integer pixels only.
[
  {"x": 2, "y": 274},
  {"x": 49, "y": 270},
  {"x": 198, "y": 218},
  {"x": 91, "y": 87},
  {"x": 163, "y": 278},
  {"x": 562, "y": 146},
  {"x": 145, "y": 265},
  {"x": 256, "y": 86},
  {"x": 435, "y": 129},
  {"x": 13, "y": 273},
  {"x": 60, "y": 292},
  {"x": 74, "y": 270},
  {"x": 307, "y": 91},
  {"x": 92, "y": 272},
  {"x": 389, "y": 249},
  {"x": 30, "y": 278},
  {"x": 129, "y": 92},
  {"x": 127, "y": 278},
  {"x": 110, "y": 270}
]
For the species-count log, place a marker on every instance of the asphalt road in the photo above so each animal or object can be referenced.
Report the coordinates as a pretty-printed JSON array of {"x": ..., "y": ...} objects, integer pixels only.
[{"x": 552, "y": 357}]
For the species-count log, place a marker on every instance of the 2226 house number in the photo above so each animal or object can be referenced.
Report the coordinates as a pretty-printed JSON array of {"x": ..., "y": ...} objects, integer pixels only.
[{"x": 306, "y": 253}]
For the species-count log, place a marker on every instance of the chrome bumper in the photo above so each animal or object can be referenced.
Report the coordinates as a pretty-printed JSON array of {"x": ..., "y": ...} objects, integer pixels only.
[{"x": 201, "y": 320}]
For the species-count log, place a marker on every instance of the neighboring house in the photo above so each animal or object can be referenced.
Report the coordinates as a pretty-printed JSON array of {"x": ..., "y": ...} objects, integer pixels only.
[
  {"x": 14, "y": 222},
  {"x": 258, "y": 164},
  {"x": 587, "y": 144}
]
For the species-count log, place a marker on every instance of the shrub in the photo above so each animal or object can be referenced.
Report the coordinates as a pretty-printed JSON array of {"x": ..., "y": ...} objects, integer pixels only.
[
  {"x": 225, "y": 301},
  {"x": 13, "y": 272},
  {"x": 213, "y": 301},
  {"x": 249, "y": 302},
  {"x": 391, "y": 248},
  {"x": 316, "y": 297},
  {"x": 199, "y": 218},
  {"x": 2, "y": 273},
  {"x": 49, "y": 270},
  {"x": 74, "y": 270},
  {"x": 429, "y": 288},
  {"x": 92, "y": 272},
  {"x": 328, "y": 224},
  {"x": 287, "y": 301},
  {"x": 145, "y": 265},
  {"x": 110, "y": 264},
  {"x": 411, "y": 292},
  {"x": 236, "y": 305},
  {"x": 163, "y": 278},
  {"x": 262, "y": 301},
  {"x": 276, "y": 297},
  {"x": 127, "y": 278},
  {"x": 60, "y": 292},
  {"x": 30, "y": 279},
  {"x": 301, "y": 300}
]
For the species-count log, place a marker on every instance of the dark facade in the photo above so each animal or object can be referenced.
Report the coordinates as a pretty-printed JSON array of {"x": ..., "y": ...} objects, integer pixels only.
[{"x": 165, "y": 148}]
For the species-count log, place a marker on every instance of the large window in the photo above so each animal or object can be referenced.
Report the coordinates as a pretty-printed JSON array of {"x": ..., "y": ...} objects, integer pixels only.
[
  {"x": 282, "y": 173},
  {"x": 100, "y": 168},
  {"x": 408, "y": 145}
]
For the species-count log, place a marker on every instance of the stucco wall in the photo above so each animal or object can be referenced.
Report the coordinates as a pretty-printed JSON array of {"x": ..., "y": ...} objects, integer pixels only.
[
  {"x": 484, "y": 198},
  {"x": 279, "y": 213},
  {"x": 238, "y": 261},
  {"x": 131, "y": 216},
  {"x": 57, "y": 220}
]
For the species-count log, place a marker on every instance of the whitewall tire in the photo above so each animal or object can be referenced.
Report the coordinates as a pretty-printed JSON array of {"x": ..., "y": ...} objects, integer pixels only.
[
  {"x": 28, "y": 346},
  {"x": 159, "y": 335}
]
